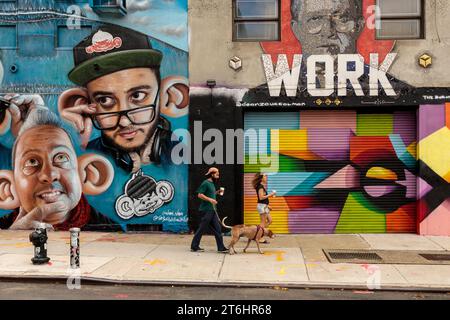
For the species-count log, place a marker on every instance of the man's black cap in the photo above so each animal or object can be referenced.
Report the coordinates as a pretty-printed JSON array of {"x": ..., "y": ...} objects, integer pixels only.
[{"x": 111, "y": 48}]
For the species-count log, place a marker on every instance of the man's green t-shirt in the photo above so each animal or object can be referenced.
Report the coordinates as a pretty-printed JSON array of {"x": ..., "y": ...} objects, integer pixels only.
[{"x": 208, "y": 189}]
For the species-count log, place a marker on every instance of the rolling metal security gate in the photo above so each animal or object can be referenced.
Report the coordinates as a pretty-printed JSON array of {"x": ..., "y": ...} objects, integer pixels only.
[{"x": 340, "y": 171}]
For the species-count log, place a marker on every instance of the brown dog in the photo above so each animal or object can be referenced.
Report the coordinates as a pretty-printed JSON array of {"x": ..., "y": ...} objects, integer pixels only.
[{"x": 251, "y": 232}]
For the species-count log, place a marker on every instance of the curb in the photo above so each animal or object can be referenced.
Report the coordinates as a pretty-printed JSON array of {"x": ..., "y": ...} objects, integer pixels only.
[{"x": 304, "y": 285}]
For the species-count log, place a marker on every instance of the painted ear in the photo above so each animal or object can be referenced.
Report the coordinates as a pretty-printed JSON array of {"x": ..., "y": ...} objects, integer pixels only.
[
  {"x": 8, "y": 195},
  {"x": 5, "y": 123},
  {"x": 174, "y": 96},
  {"x": 73, "y": 104},
  {"x": 72, "y": 98},
  {"x": 96, "y": 173}
]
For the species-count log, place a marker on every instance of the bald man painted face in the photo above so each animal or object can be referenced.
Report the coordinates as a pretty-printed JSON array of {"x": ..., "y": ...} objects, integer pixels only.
[
  {"x": 327, "y": 26},
  {"x": 46, "y": 170}
]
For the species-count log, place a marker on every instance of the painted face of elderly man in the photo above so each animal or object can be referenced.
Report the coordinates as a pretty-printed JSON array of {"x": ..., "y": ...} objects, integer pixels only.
[
  {"x": 48, "y": 178},
  {"x": 327, "y": 26}
]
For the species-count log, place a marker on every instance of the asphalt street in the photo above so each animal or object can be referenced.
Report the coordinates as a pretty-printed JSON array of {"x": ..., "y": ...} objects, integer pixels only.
[{"x": 43, "y": 290}]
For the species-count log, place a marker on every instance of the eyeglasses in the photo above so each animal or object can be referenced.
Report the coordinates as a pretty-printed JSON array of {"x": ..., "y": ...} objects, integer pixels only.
[
  {"x": 137, "y": 116},
  {"x": 342, "y": 23}
]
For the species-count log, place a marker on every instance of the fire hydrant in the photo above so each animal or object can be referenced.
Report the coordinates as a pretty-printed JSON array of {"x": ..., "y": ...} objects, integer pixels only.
[{"x": 39, "y": 239}]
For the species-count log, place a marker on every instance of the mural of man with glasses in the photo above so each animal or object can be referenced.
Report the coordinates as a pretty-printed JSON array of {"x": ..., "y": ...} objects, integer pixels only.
[
  {"x": 122, "y": 95},
  {"x": 124, "y": 110},
  {"x": 327, "y": 27}
]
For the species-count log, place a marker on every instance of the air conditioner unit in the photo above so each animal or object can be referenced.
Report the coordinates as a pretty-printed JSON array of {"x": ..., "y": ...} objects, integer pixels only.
[{"x": 110, "y": 7}]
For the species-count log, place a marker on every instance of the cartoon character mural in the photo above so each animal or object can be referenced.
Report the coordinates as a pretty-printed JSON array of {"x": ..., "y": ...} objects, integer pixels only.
[
  {"x": 143, "y": 195},
  {"x": 124, "y": 92}
]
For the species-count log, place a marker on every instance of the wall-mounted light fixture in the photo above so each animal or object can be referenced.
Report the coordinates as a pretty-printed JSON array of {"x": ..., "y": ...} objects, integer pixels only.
[{"x": 211, "y": 83}]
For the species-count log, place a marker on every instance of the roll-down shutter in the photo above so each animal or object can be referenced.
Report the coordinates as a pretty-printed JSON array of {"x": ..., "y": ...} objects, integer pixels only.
[{"x": 339, "y": 171}]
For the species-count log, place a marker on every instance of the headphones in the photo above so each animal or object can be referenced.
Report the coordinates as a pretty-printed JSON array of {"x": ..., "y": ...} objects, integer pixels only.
[{"x": 159, "y": 147}]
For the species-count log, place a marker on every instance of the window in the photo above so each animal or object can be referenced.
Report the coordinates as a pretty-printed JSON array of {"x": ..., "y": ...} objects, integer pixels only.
[
  {"x": 400, "y": 19},
  {"x": 36, "y": 40},
  {"x": 256, "y": 20},
  {"x": 109, "y": 6}
]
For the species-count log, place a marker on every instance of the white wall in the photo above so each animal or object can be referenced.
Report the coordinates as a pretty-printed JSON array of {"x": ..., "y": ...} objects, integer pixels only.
[
  {"x": 211, "y": 47},
  {"x": 436, "y": 42}
]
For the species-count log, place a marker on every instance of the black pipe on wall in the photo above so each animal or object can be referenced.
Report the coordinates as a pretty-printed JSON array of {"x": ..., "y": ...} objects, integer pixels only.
[{"x": 222, "y": 115}]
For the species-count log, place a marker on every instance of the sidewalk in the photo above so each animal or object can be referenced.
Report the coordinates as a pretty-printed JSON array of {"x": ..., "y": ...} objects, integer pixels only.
[{"x": 288, "y": 261}]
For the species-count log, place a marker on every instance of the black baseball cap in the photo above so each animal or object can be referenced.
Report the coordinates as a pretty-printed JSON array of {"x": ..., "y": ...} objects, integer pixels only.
[{"x": 111, "y": 48}]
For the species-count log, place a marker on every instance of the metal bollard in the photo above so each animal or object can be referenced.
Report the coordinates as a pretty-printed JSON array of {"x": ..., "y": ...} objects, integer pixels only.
[{"x": 75, "y": 248}]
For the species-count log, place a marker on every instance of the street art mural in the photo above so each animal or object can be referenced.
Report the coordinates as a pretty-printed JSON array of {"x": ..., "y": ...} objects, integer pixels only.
[
  {"x": 328, "y": 56},
  {"x": 48, "y": 182},
  {"x": 347, "y": 171},
  {"x": 434, "y": 170},
  {"x": 338, "y": 172},
  {"x": 110, "y": 90}
]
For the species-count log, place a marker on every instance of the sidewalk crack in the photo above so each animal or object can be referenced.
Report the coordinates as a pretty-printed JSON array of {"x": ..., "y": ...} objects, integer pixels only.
[
  {"x": 401, "y": 275},
  {"x": 151, "y": 250},
  {"x": 304, "y": 262},
  {"x": 436, "y": 243},
  {"x": 221, "y": 267},
  {"x": 364, "y": 239}
]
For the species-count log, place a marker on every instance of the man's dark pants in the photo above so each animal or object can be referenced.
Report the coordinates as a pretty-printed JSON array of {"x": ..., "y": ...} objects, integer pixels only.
[{"x": 209, "y": 221}]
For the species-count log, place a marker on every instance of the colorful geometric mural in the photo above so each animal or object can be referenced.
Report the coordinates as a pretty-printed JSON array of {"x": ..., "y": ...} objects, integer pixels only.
[
  {"x": 338, "y": 172},
  {"x": 434, "y": 170}
]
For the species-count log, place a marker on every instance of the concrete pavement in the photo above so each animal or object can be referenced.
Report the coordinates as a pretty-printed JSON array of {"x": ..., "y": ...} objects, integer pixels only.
[{"x": 288, "y": 261}]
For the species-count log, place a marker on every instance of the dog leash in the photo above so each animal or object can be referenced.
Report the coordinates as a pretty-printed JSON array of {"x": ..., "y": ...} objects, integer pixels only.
[{"x": 215, "y": 210}]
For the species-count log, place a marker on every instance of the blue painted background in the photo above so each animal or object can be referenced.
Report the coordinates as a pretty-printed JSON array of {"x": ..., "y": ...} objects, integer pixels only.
[{"x": 34, "y": 39}]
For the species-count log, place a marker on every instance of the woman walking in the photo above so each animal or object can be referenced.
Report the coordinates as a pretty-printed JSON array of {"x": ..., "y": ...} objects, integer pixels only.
[{"x": 263, "y": 207}]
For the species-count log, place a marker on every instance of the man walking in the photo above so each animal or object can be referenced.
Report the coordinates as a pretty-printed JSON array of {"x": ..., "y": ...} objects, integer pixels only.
[{"x": 209, "y": 219}]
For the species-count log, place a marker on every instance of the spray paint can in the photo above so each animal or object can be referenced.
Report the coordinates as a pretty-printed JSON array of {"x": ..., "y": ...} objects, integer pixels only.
[{"x": 75, "y": 248}]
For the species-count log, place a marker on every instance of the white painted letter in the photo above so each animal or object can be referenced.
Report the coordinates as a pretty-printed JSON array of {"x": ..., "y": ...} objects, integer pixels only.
[
  {"x": 329, "y": 75},
  {"x": 379, "y": 74},
  {"x": 344, "y": 74},
  {"x": 282, "y": 74}
]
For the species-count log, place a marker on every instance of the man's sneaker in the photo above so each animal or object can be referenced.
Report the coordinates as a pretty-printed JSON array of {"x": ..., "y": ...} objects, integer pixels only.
[
  {"x": 224, "y": 250},
  {"x": 197, "y": 250}
]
